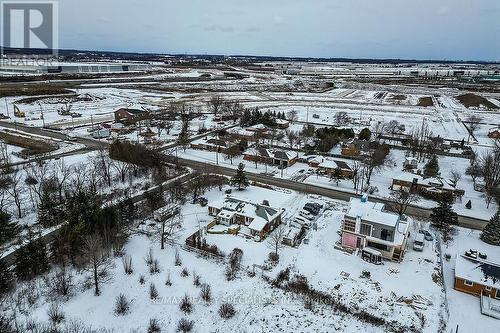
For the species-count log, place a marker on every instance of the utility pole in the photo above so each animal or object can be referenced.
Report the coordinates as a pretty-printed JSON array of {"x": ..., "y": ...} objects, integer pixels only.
[{"x": 7, "y": 107}]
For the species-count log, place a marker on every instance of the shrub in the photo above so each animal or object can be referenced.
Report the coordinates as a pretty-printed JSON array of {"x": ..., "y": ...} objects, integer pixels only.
[
  {"x": 154, "y": 268},
  {"x": 153, "y": 292},
  {"x": 127, "y": 264},
  {"x": 168, "y": 283},
  {"x": 206, "y": 293},
  {"x": 366, "y": 274},
  {"x": 122, "y": 305},
  {"x": 186, "y": 306},
  {"x": 226, "y": 311},
  {"x": 185, "y": 325},
  {"x": 55, "y": 313},
  {"x": 274, "y": 257},
  {"x": 149, "y": 257},
  {"x": 196, "y": 279},
  {"x": 299, "y": 284},
  {"x": 142, "y": 279},
  {"x": 184, "y": 272},
  {"x": 308, "y": 304},
  {"x": 154, "y": 326},
  {"x": 178, "y": 261},
  {"x": 283, "y": 275}
]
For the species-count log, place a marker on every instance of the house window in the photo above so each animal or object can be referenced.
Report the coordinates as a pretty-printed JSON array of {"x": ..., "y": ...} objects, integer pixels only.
[
  {"x": 468, "y": 283},
  {"x": 487, "y": 288},
  {"x": 365, "y": 229},
  {"x": 349, "y": 225}
]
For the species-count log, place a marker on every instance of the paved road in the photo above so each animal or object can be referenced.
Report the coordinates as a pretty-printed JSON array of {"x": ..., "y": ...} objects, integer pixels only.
[{"x": 464, "y": 221}]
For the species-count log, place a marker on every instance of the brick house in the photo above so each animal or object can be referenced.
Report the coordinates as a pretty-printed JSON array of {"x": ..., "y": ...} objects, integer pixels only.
[
  {"x": 417, "y": 183},
  {"x": 328, "y": 167},
  {"x": 130, "y": 116}
]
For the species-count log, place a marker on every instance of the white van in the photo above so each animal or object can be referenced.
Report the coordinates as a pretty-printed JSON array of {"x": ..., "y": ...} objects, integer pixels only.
[{"x": 419, "y": 242}]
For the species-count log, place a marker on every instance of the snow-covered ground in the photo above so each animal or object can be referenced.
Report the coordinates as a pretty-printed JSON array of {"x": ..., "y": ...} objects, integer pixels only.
[{"x": 259, "y": 306}]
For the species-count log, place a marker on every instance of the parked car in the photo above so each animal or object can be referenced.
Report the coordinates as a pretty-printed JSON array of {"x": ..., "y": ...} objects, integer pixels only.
[
  {"x": 306, "y": 215},
  {"x": 419, "y": 242},
  {"x": 427, "y": 235},
  {"x": 228, "y": 191}
]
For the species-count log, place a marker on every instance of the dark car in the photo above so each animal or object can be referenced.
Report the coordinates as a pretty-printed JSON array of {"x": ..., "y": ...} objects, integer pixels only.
[
  {"x": 228, "y": 191},
  {"x": 427, "y": 235}
]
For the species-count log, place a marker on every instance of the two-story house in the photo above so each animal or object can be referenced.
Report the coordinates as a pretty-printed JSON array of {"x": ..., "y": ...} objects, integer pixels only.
[{"x": 367, "y": 225}]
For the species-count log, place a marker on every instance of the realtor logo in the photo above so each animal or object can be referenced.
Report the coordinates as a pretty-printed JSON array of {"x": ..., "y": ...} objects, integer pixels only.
[{"x": 30, "y": 24}]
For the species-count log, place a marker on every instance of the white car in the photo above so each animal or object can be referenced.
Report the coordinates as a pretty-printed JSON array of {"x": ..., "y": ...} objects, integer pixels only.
[{"x": 419, "y": 243}]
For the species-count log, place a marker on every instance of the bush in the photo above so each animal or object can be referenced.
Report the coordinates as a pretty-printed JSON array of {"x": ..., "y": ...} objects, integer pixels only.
[
  {"x": 206, "y": 293},
  {"x": 366, "y": 274},
  {"x": 299, "y": 284},
  {"x": 185, "y": 325},
  {"x": 184, "y": 272},
  {"x": 122, "y": 305},
  {"x": 196, "y": 279},
  {"x": 149, "y": 258},
  {"x": 178, "y": 261},
  {"x": 127, "y": 265},
  {"x": 226, "y": 311},
  {"x": 153, "y": 292},
  {"x": 274, "y": 257},
  {"x": 154, "y": 268},
  {"x": 283, "y": 275},
  {"x": 186, "y": 306},
  {"x": 142, "y": 279},
  {"x": 55, "y": 313},
  {"x": 168, "y": 283},
  {"x": 154, "y": 326}
]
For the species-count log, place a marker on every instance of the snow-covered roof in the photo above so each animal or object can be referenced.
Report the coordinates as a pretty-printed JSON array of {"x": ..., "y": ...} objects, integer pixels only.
[
  {"x": 260, "y": 214},
  {"x": 371, "y": 212},
  {"x": 331, "y": 164},
  {"x": 476, "y": 269},
  {"x": 430, "y": 182}
]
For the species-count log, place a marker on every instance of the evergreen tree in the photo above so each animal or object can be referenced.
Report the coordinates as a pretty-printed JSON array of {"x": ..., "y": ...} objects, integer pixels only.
[
  {"x": 8, "y": 229},
  {"x": 444, "y": 218},
  {"x": 491, "y": 233},
  {"x": 431, "y": 169},
  {"x": 337, "y": 175},
  {"x": 6, "y": 279},
  {"x": 183, "y": 138},
  {"x": 49, "y": 214},
  {"x": 365, "y": 134},
  {"x": 31, "y": 260},
  {"x": 240, "y": 179}
]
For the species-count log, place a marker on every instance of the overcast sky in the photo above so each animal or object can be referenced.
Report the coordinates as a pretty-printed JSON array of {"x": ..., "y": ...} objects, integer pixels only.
[{"x": 410, "y": 29}]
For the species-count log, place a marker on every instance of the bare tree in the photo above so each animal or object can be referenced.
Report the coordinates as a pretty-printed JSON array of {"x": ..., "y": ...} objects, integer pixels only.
[
  {"x": 61, "y": 174},
  {"x": 473, "y": 124},
  {"x": 291, "y": 137},
  {"x": 455, "y": 176},
  {"x": 169, "y": 225},
  {"x": 275, "y": 239},
  {"x": 357, "y": 174},
  {"x": 122, "y": 168},
  {"x": 292, "y": 116},
  {"x": 103, "y": 165},
  {"x": 215, "y": 104},
  {"x": 97, "y": 257},
  {"x": 376, "y": 159},
  {"x": 16, "y": 189},
  {"x": 342, "y": 118},
  {"x": 402, "y": 199}
]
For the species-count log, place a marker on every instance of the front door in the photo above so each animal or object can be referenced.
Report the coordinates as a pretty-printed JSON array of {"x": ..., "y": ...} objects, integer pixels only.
[{"x": 358, "y": 243}]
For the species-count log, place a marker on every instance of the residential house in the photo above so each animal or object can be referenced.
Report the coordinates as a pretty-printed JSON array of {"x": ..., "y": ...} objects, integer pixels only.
[
  {"x": 410, "y": 163},
  {"x": 272, "y": 157},
  {"x": 417, "y": 183},
  {"x": 477, "y": 272},
  {"x": 328, "y": 167},
  {"x": 282, "y": 123},
  {"x": 213, "y": 144},
  {"x": 367, "y": 225},
  {"x": 357, "y": 147},
  {"x": 130, "y": 116},
  {"x": 494, "y": 134},
  {"x": 252, "y": 218}
]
